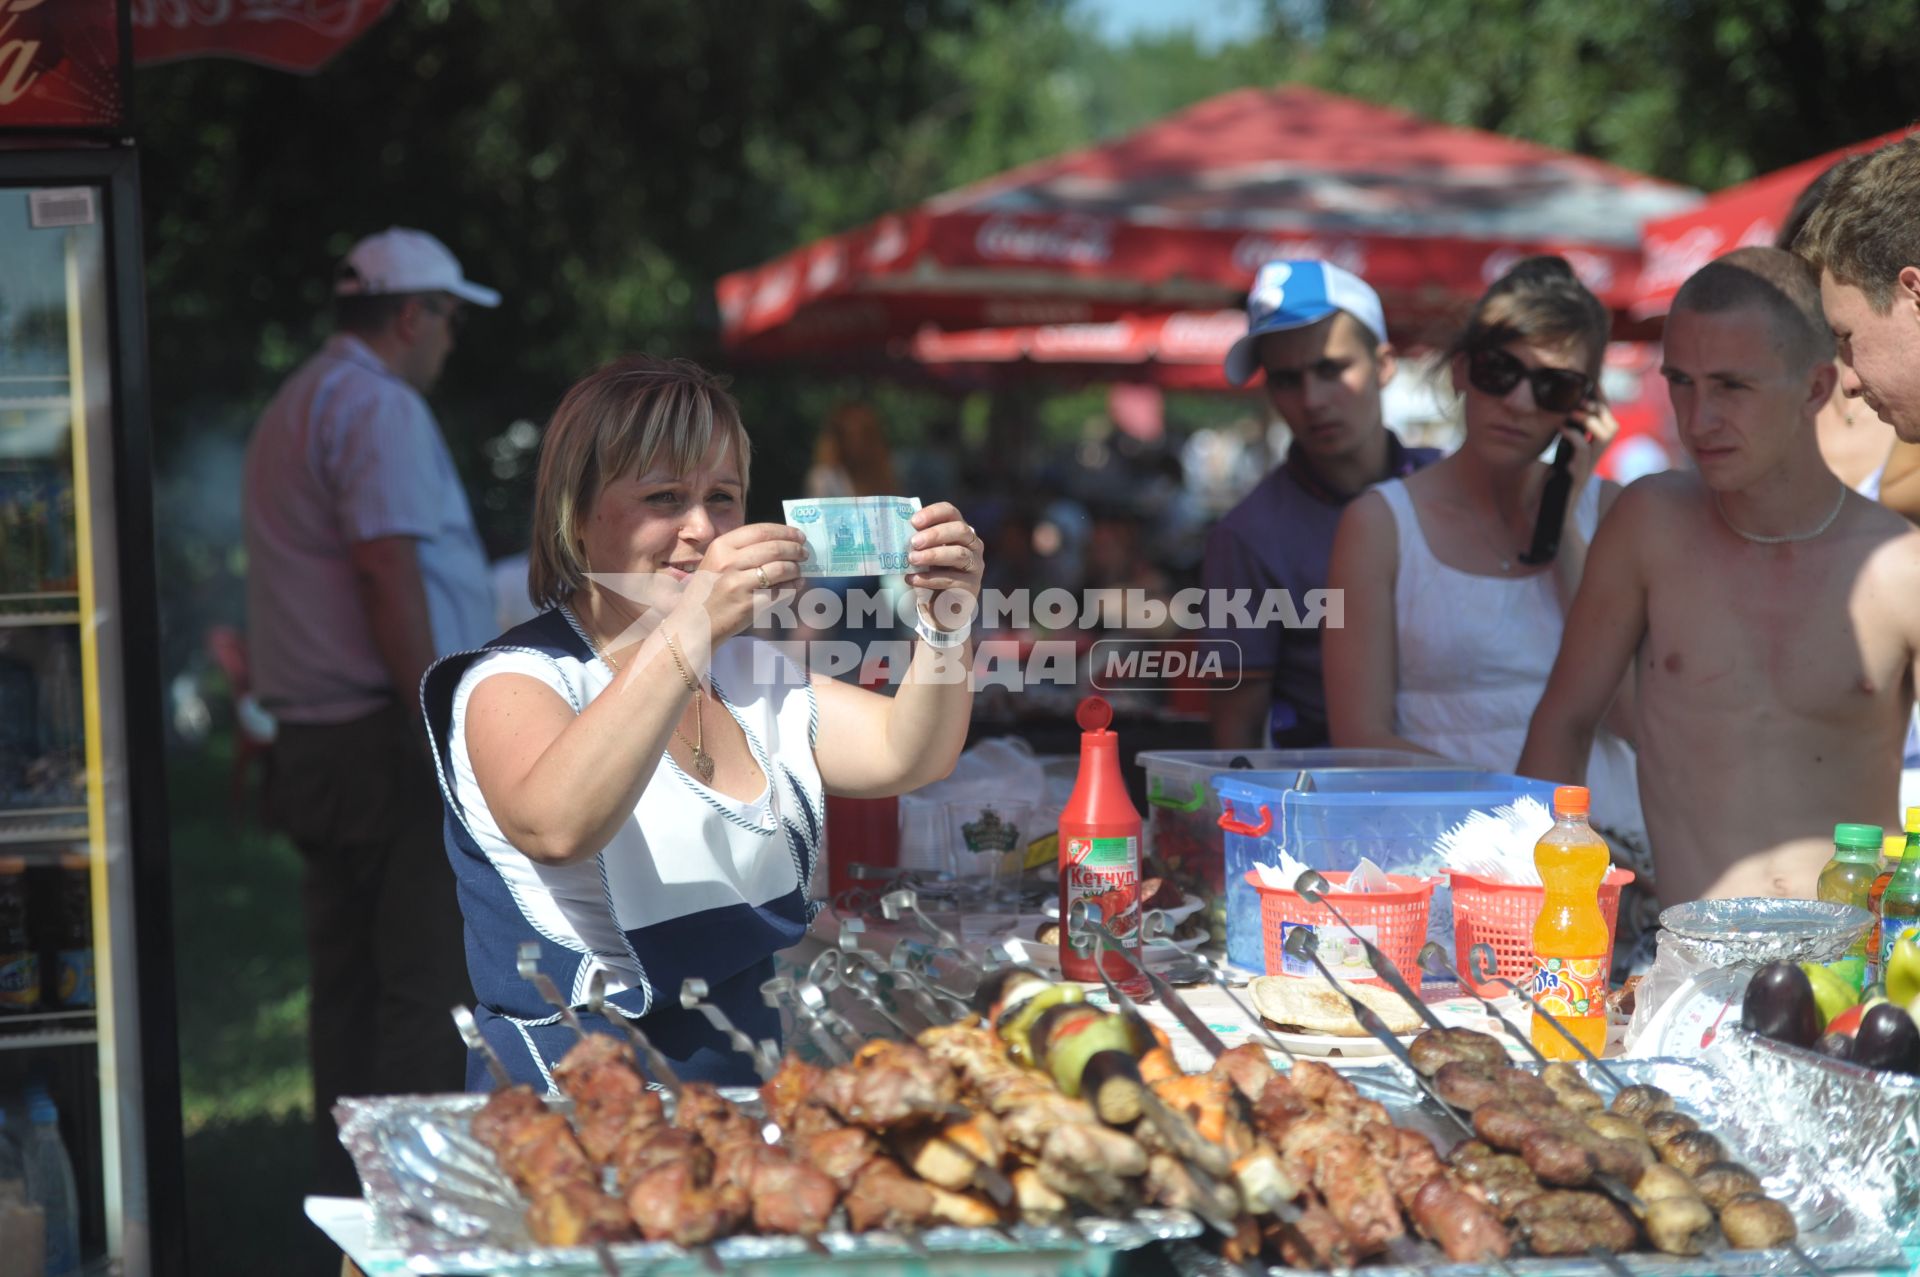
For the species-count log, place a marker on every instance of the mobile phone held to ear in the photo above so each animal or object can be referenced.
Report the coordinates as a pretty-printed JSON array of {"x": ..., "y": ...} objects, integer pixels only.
[{"x": 1553, "y": 504}]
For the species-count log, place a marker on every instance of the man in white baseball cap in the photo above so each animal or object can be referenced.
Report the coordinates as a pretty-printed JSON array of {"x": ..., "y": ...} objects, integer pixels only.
[
  {"x": 1319, "y": 334},
  {"x": 363, "y": 567}
]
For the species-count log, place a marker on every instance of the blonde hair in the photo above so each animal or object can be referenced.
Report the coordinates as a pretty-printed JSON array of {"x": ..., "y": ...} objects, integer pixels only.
[{"x": 622, "y": 420}]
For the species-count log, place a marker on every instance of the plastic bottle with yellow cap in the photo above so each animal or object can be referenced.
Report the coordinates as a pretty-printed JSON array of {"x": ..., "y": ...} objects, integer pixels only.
[
  {"x": 1900, "y": 904},
  {"x": 1570, "y": 939},
  {"x": 1892, "y": 850}
]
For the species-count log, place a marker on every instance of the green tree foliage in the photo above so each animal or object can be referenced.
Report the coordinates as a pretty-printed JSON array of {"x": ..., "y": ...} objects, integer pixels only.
[
  {"x": 602, "y": 164},
  {"x": 1705, "y": 92}
]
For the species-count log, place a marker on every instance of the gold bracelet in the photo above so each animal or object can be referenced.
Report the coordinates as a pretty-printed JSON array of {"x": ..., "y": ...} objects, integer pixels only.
[{"x": 674, "y": 651}]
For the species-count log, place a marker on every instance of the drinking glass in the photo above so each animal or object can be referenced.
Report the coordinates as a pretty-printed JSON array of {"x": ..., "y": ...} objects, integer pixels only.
[{"x": 987, "y": 844}]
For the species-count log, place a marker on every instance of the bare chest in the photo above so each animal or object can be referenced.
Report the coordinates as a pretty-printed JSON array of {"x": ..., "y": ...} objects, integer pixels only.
[{"x": 1781, "y": 632}]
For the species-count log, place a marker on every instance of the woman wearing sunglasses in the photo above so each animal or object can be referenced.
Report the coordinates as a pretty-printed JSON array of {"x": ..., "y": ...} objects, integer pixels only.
[{"x": 1453, "y": 607}]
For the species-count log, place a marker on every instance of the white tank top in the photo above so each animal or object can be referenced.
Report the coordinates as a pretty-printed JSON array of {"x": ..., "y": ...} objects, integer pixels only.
[{"x": 1474, "y": 655}]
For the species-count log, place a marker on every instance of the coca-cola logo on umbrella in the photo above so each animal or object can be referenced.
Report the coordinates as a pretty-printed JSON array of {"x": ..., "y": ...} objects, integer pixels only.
[
  {"x": 1077, "y": 241},
  {"x": 291, "y": 35}
]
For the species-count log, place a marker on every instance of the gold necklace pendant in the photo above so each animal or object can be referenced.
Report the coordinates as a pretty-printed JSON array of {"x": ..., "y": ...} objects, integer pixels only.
[
  {"x": 702, "y": 761},
  {"x": 702, "y": 765}
]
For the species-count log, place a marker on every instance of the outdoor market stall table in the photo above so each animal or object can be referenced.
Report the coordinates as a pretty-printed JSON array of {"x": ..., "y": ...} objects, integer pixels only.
[{"x": 347, "y": 1221}]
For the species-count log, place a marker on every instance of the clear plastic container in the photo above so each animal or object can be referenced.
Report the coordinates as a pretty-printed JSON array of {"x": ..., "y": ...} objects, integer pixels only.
[
  {"x": 1183, "y": 835},
  {"x": 1331, "y": 818}
]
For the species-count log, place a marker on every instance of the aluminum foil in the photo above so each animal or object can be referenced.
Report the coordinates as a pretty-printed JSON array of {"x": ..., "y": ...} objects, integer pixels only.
[
  {"x": 438, "y": 1196},
  {"x": 1755, "y": 930},
  {"x": 1795, "y": 1155},
  {"x": 1858, "y": 1130},
  {"x": 1836, "y": 1155}
]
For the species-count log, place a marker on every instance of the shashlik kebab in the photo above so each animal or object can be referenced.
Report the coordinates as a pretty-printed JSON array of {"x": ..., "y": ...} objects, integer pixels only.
[
  {"x": 887, "y": 1137},
  {"x": 1544, "y": 1135},
  {"x": 1340, "y": 1172}
]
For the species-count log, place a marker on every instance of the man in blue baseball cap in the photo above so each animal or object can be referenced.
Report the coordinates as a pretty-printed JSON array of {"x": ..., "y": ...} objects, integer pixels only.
[{"x": 1318, "y": 334}]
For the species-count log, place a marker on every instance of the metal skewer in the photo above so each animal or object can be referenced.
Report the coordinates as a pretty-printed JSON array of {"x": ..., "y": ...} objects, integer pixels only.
[
  {"x": 1486, "y": 970},
  {"x": 764, "y": 1055},
  {"x": 1304, "y": 944},
  {"x": 904, "y": 900},
  {"x": 1011, "y": 951},
  {"x": 656, "y": 1064},
  {"x": 1205, "y": 1162},
  {"x": 861, "y": 970},
  {"x": 1313, "y": 888},
  {"x": 470, "y": 1034},
  {"x": 1256, "y": 1025},
  {"x": 1086, "y": 930},
  {"x": 821, "y": 978},
  {"x": 859, "y": 978},
  {"x": 1433, "y": 960},
  {"x": 1485, "y": 967},
  {"x": 781, "y": 994},
  {"x": 901, "y": 963},
  {"x": 1089, "y": 918},
  {"x": 528, "y": 964}
]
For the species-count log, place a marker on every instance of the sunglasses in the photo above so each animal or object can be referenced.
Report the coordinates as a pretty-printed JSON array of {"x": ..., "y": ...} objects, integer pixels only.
[{"x": 1495, "y": 372}]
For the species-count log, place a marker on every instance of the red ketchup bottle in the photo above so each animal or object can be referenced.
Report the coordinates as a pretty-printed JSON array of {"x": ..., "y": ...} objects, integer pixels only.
[{"x": 1100, "y": 855}]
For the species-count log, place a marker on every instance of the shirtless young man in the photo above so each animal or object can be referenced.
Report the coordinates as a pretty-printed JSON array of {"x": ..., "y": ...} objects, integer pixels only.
[{"x": 1774, "y": 615}]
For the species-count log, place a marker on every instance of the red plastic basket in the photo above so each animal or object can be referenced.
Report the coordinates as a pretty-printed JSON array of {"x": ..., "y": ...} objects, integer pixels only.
[
  {"x": 1399, "y": 917},
  {"x": 1501, "y": 914}
]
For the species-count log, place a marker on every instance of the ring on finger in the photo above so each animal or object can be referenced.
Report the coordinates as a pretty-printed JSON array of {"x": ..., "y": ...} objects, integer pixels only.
[{"x": 764, "y": 583}]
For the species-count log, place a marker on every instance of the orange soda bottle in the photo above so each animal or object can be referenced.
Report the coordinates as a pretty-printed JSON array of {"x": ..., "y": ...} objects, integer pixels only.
[{"x": 1571, "y": 945}]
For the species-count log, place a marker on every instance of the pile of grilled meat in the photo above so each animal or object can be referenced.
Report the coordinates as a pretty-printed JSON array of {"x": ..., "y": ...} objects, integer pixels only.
[{"x": 950, "y": 1129}]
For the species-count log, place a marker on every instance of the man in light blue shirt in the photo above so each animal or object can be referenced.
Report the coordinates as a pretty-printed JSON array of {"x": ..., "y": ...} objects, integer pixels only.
[{"x": 363, "y": 567}]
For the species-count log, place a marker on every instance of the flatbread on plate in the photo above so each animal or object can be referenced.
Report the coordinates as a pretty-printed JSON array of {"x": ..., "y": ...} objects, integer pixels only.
[{"x": 1313, "y": 1007}]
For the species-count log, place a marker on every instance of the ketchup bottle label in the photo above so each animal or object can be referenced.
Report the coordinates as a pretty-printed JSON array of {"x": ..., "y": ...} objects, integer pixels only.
[{"x": 1106, "y": 872}]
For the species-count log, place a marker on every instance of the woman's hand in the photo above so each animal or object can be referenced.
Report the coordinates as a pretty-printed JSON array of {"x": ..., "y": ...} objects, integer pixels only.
[
  {"x": 1590, "y": 428},
  {"x": 947, "y": 560},
  {"x": 738, "y": 566}
]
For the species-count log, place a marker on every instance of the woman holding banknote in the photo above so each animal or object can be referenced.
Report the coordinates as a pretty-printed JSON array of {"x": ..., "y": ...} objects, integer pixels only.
[{"x": 633, "y": 783}]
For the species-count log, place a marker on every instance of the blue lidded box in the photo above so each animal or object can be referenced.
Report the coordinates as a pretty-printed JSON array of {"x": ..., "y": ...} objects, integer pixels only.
[{"x": 1330, "y": 818}]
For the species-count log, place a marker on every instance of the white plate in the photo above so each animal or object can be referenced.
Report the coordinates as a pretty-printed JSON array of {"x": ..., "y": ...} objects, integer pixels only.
[
  {"x": 1046, "y": 957},
  {"x": 1326, "y": 1044}
]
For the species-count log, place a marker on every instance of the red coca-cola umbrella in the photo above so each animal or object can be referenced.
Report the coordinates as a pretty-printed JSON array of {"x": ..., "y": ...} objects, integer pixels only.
[
  {"x": 1183, "y": 350},
  {"x": 288, "y": 35},
  {"x": 1740, "y": 216},
  {"x": 1178, "y": 216}
]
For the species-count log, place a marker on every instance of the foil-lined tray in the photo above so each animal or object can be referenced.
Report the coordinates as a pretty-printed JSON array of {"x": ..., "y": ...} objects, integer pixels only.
[
  {"x": 1865, "y": 1124},
  {"x": 437, "y": 1195},
  {"x": 1758, "y": 930},
  {"x": 1803, "y": 1159}
]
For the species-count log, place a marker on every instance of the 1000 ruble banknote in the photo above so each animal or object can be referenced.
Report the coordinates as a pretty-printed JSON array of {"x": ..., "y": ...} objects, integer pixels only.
[{"x": 854, "y": 536}]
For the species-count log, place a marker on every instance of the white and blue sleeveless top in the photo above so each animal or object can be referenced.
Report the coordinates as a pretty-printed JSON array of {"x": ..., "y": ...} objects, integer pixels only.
[{"x": 695, "y": 883}]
